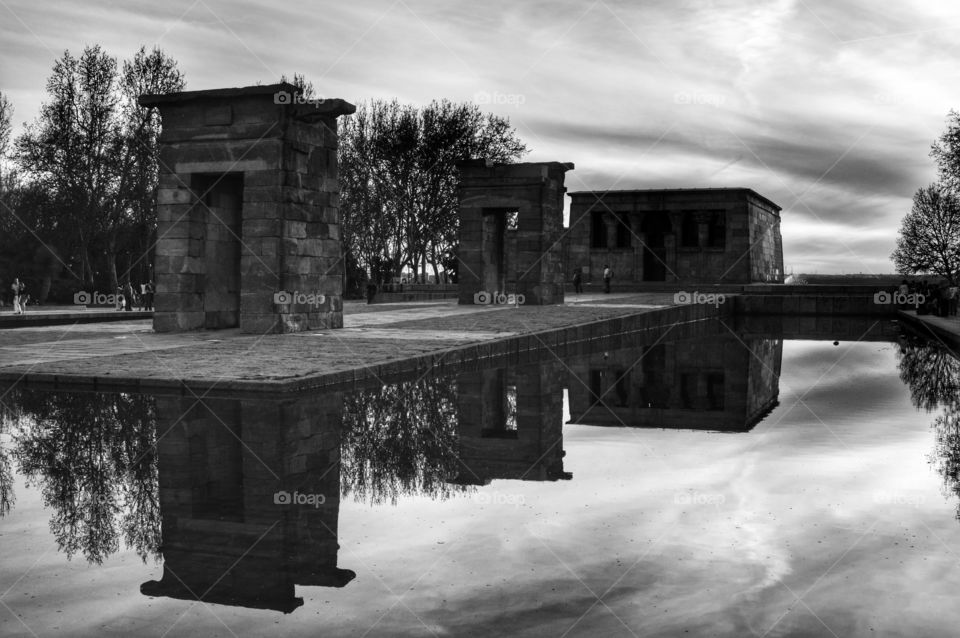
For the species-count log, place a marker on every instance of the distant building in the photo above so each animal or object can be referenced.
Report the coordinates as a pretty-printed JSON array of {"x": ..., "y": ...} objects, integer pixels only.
[{"x": 703, "y": 235}]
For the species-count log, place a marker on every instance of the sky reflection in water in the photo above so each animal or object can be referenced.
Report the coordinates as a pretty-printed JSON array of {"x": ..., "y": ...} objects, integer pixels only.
[{"x": 825, "y": 502}]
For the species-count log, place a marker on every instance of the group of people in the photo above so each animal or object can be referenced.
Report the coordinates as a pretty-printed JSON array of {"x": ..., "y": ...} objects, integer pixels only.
[
  {"x": 142, "y": 296},
  {"x": 937, "y": 299},
  {"x": 578, "y": 279}
]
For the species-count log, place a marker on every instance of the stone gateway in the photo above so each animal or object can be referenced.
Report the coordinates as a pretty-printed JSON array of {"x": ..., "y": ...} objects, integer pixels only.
[{"x": 248, "y": 225}]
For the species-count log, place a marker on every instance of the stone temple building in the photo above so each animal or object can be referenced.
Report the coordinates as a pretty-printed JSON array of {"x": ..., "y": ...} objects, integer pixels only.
[{"x": 679, "y": 236}]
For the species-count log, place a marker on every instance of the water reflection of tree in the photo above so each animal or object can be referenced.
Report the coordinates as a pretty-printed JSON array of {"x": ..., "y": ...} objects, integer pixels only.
[
  {"x": 931, "y": 372},
  {"x": 933, "y": 375},
  {"x": 400, "y": 439},
  {"x": 8, "y": 417},
  {"x": 93, "y": 457}
]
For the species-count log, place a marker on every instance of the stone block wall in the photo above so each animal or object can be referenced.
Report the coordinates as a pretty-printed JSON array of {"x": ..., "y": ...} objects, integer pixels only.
[
  {"x": 766, "y": 243},
  {"x": 525, "y": 261},
  {"x": 248, "y": 211}
]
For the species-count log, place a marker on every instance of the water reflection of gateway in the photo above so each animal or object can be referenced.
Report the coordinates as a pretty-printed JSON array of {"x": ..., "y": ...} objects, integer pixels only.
[
  {"x": 709, "y": 383},
  {"x": 221, "y": 464},
  {"x": 511, "y": 424}
]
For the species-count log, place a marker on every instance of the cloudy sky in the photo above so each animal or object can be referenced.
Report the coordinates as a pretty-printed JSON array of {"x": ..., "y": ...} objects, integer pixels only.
[{"x": 827, "y": 107}]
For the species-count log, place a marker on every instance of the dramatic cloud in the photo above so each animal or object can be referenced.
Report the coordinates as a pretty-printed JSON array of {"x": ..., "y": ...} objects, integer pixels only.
[{"x": 828, "y": 108}]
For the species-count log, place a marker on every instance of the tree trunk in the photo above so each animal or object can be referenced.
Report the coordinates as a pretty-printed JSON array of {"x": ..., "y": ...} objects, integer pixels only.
[
  {"x": 86, "y": 269},
  {"x": 112, "y": 261}
]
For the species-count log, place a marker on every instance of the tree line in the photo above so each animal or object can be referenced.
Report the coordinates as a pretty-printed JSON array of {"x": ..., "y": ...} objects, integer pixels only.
[{"x": 78, "y": 186}]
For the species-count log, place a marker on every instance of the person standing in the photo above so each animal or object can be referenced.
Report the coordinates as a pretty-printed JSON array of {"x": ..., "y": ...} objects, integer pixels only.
[
  {"x": 148, "y": 295},
  {"x": 607, "y": 277},
  {"x": 128, "y": 296},
  {"x": 577, "y": 280},
  {"x": 902, "y": 293},
  {"x": 18, "y": 287}
]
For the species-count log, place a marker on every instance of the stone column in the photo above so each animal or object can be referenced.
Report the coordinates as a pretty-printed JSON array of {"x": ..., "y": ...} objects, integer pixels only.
[
  {"x": 700, "y": 398},
  {"x": 670, "y": 375},
  {"x": 670, "y": 247},
  {"x": 639, "y": 242},
  {"x": 610, "y": 221},
  {"x": 670, "y": 250},
  {"x": 703, "y": 228}
]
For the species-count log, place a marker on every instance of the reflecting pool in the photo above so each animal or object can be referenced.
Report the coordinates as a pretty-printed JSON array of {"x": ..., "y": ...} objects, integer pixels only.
[{"x": 715, "y": 480}]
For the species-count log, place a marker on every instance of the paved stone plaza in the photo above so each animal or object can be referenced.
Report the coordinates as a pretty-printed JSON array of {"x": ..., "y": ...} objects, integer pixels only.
[{"x": 372, "y": 336}]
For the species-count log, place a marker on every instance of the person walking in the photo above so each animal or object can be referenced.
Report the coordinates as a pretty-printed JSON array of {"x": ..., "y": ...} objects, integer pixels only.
[
  {"x": 577, "y": 280},
  {"x": 18, "y": 287},
  {"x": 607, "y": 277}
]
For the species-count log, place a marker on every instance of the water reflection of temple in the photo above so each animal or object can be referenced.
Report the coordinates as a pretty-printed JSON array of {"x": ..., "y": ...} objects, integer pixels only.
[
  {"x": 225, "y": 466},
  {"x": 510, "y": 424},
  {"x": 716, "y": 382}
]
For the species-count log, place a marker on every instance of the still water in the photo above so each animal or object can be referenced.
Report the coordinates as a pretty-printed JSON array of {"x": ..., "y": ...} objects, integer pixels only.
[{"x": 735, "y": 483}]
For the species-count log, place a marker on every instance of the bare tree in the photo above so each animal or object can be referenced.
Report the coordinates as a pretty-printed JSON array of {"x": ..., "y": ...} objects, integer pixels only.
[
  {"x": 929, "y": 238},
  {"x": 946, "y": 152}
]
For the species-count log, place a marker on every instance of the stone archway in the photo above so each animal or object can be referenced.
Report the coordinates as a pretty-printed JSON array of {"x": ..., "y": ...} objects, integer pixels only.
[
  {"x": 248, "y": 224},
  {"x": 511, "y": 223}
]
